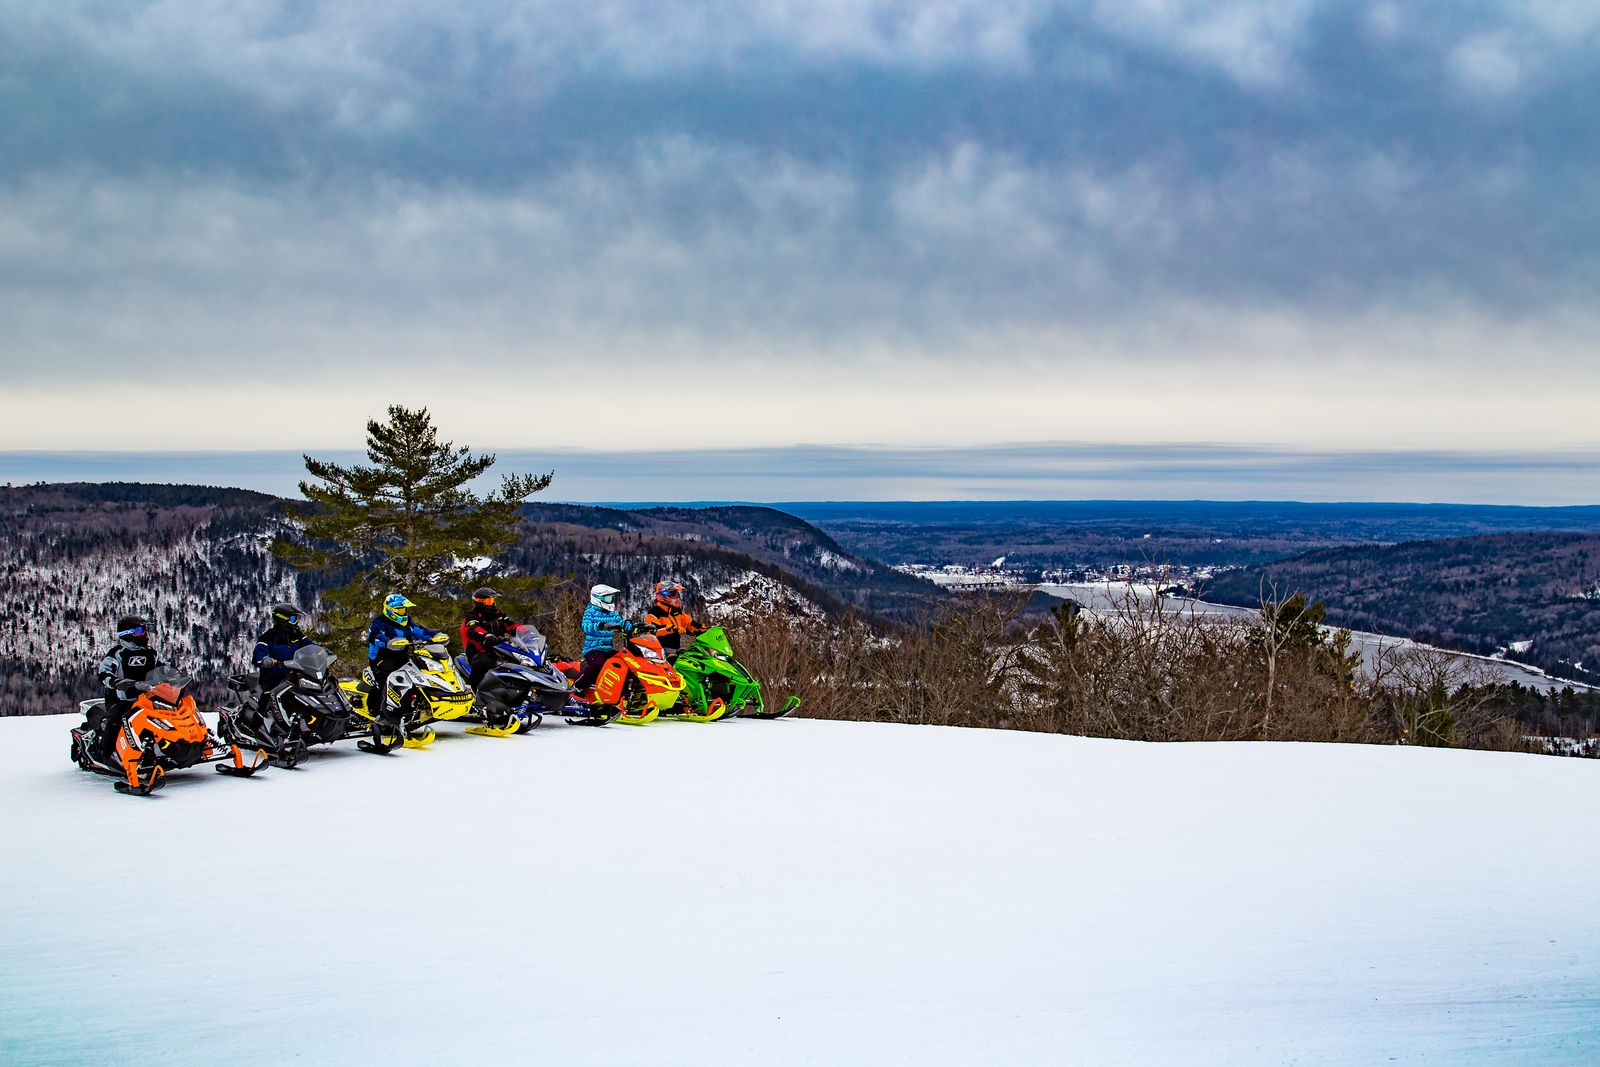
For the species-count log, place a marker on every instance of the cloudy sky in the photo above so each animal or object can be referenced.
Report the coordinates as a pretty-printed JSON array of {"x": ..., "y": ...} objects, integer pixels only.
[{"x": 1282, "y": 227}]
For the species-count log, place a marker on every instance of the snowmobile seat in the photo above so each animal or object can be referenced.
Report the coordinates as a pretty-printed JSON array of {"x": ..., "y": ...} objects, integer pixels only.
[{"x": 242, "y": 683}]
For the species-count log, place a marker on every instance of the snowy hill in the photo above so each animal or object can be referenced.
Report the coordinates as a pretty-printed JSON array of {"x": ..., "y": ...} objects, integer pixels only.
[{"x": 804, "y": 891}]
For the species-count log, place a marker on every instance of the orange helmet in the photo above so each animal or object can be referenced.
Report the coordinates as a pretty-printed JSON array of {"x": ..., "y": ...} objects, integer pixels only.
[{"x": 670, "y": 592}]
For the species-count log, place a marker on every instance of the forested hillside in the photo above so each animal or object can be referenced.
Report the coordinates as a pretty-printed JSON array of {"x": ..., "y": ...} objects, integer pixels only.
[
  {"x": 197, "y": 561},
  {"x": 1535, "y": 594},
  {"x": 716, "y": 545}
]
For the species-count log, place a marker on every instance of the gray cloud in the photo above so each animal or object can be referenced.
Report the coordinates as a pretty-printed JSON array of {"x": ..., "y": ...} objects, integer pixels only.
[{"x": 311, "y": 186}]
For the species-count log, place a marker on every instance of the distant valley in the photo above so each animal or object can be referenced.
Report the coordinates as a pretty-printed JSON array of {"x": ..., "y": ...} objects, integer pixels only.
[{"x": 1489, "y": 580}]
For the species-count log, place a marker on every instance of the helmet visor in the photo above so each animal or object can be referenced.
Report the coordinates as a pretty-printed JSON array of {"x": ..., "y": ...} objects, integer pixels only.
[{"x": 134, "y": 631}]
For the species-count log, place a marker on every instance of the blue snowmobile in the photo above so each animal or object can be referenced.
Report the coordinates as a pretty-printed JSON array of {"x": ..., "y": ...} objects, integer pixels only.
[{"x": 520, "y": 688}]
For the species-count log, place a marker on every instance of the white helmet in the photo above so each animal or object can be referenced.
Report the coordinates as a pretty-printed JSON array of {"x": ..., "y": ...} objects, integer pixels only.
[{"x": 604, "y": 597}]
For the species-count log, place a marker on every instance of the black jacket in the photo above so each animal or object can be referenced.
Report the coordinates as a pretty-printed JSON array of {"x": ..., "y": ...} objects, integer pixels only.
[
  {"x": 132, "y": 663},
  {"x": 281, "y": 642},
  {"x": 484, "y": 627}
]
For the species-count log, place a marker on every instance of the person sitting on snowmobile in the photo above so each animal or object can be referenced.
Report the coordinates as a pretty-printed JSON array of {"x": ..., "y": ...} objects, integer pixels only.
[
  {"x": 484, "y": 627},
  {"x": 600, "y": 624},
  {"x": 392, "y": 624},
  {"x": 667, "y": 618},
  {"x": 276, "y": 646},
  {"x": 128, "y": 662}
]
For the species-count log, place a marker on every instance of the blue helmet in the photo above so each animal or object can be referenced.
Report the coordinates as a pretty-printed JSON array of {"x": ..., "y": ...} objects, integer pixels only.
[{"x": 395, "y": 608}]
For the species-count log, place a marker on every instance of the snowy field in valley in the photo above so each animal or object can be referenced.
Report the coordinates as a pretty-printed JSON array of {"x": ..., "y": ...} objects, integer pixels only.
[
  {"x": 804, "y": 892},
  {"x": 1111, "y": 596}
]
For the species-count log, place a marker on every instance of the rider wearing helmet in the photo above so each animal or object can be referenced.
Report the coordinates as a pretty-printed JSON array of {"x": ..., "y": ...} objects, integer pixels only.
[
  {"x": 600, "y": 624},
  {"x": 484, "y": 627},
  {"x": 128, "y": 662},
  {"x": 393, "y": 623},
  {"x": 667, "y": 617},
  {"x": 278, "y": 644}
]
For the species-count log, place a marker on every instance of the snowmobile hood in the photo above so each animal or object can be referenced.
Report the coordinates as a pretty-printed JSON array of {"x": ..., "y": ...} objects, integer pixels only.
[{"x": 716, "y": 639}]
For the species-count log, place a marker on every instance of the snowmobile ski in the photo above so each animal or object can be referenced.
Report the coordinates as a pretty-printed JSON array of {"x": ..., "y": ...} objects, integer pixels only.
[
  {"x": 515, "y": 726},
  {"x": 137, "y": 790},
  {"x": 715, "y": 711},
  {"x": 789, "y": 707},
  {"x": 290, "y": 755},
  {"x": 239, "y": 769},
  {"x": 156, "y": 780},
  {"x": 639, "y": 720}
]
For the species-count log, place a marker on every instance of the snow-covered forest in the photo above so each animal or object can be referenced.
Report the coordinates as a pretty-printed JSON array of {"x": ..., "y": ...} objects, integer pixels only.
[{"x": 201, "y": 572}]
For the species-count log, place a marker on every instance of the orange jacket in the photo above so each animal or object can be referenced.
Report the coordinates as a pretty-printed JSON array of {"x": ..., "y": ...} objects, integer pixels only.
[{"x": 665, "y": 619}]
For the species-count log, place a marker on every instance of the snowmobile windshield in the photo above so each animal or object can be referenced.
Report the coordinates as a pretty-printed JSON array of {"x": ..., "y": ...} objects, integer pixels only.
[
  {"x": 716, "y": 639},
  {"x": 529, "y": 641},
  {"x": 160, "y": 676},
  {"x": 313, "y": 660}
]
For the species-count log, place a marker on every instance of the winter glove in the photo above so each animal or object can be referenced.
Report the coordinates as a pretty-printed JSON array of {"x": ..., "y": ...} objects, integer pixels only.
[
  {"x": 268, "y": 661},
  {"x": 126, "y": 688}
]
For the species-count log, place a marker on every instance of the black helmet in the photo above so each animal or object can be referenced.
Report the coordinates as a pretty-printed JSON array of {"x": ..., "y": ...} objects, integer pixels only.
[
  {"x": 286, "y": 615},
  {"x": 133, "y": 632},
  {"x": 484, "y": 596}
]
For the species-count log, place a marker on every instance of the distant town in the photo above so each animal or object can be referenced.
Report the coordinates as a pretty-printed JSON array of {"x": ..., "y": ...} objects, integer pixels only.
[{"x": 1174, "y": 578}]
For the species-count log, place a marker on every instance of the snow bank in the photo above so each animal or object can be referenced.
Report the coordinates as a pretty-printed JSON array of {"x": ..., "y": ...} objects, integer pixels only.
[{"x": 804, "y": 891}]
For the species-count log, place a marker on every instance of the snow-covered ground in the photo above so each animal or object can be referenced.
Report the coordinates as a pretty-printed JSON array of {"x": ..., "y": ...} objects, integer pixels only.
[
  {"x": 1110, "y": 596},
  {"x": 804, "y": 892}
]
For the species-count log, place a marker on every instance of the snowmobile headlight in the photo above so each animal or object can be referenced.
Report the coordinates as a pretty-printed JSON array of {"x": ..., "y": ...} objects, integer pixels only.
[{"x": 310, "y": 683}]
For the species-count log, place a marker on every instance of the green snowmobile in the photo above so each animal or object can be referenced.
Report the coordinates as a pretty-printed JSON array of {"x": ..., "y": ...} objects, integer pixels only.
[{"x": 717, "y": 686}]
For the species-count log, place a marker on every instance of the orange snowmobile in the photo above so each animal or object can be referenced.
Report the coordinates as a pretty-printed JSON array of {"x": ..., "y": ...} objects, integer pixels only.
[
  {"x": 164, "y": 732},
  {"x": 635, "y": 685}
]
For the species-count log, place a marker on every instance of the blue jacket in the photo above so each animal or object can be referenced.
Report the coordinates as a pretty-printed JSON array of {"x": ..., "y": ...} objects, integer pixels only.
[
  {"x": 598, "y": 626},
  {"x": 281, "y": 645},
  {"x": 382, "y": 631}
]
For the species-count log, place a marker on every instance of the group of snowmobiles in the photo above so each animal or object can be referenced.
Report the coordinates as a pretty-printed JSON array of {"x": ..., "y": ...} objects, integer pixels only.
[{"x": 520, "y": 684}]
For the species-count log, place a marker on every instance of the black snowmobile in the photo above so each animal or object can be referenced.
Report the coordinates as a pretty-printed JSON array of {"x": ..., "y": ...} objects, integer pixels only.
[{"x": 306, "y": 708}]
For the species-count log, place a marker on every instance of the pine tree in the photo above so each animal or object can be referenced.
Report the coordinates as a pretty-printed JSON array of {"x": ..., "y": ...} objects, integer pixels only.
[{"x": 406, "y": 524}]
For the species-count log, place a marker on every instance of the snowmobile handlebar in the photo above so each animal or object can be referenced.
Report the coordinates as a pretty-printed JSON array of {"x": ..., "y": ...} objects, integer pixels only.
[{"x": 400, "y": 644}]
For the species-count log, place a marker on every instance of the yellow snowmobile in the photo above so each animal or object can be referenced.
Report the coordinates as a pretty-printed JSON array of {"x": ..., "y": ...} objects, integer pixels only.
[{"x": 426, "y": 688}]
